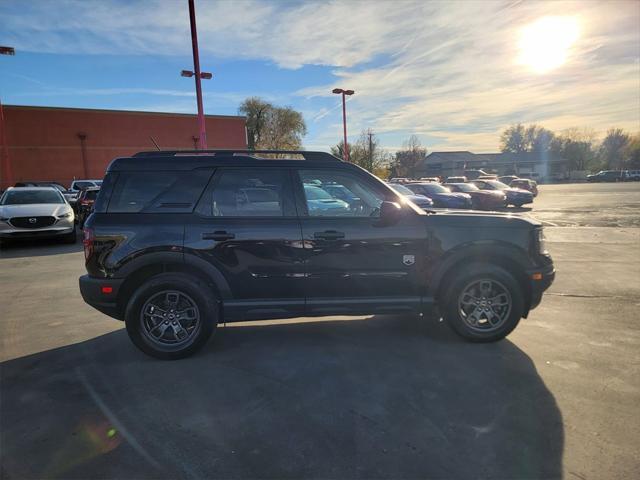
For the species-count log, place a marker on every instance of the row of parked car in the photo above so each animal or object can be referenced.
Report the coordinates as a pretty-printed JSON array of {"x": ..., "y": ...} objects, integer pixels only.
[
  {"x": 614, "y": 176},
  {"x": 484, "y": 192},
  {"x": 46, "y": 209}
]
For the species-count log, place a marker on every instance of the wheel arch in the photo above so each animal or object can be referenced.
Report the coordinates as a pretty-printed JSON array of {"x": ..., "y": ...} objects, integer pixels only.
[
  {"x": 141, "y": 269},
  {"x": 502, "y": 255}
]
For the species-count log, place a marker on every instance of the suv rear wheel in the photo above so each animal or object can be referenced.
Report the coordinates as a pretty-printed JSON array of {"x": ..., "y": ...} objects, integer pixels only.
[
  {"x": 171, "y": 316},
  {"x": 484, "y": 304}
]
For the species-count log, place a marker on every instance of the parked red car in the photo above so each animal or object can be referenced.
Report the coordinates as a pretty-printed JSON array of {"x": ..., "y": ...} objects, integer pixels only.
[
  {"x": 525, "y": 184},
  {"x": 481, "y": 199}
]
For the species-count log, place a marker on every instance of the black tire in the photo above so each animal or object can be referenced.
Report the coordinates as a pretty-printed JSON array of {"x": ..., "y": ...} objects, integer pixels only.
[
  {"x": 518, "y": 205},
  {"x": 192, "y": 291},
  {"x": 460, "y": 322},
  {"x": 71, "y": 237}
]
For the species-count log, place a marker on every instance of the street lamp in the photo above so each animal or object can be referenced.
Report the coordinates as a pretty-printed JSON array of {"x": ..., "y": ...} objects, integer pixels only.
[
  {"x": 5, "y": 164},
  {"x": 345, "y": 150},
  {"x": 198, "y": 76}
]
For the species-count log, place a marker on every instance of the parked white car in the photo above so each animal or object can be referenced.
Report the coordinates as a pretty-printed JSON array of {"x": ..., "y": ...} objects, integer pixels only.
[{"x": 28, "y": 212}]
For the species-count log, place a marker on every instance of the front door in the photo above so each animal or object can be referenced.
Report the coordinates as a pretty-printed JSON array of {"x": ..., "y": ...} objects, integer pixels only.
[
  {"x": 354, "y": 263},
  {"x": 246, "y": 227}
]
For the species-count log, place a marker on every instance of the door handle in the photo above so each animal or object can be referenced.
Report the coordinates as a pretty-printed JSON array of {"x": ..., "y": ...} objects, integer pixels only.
[
  {"x": 328, "y": 235},
  {"x": 218, "y": 236}
]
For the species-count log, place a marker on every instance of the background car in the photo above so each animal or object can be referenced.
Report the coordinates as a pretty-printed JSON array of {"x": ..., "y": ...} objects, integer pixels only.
[
  {"x": 472, "y": 174},
  {"x": 27, "y": 212},
  {"x": 420, "y": 200},
  {"x": 507, "y": 179},
  {"x": 633, "y": 175},
  {"x": 441, "y": 196},
  {"x": 481, "y": 199},
  {"x": 606, "y": 176},
  {"x": 515, "y": 196},
  {"x": 525, "y": 184},
  {"x": 455, "y": 180},
  {"x": 84, "y": 205},
  {"x": 320, "y": 201},
  {"x": 487, "y": 177}
]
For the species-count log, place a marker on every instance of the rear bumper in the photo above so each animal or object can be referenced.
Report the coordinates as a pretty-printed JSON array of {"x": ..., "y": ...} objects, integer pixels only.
[
  {"x": 541, "y": 279},
  {"x": 92, "y": 293}
]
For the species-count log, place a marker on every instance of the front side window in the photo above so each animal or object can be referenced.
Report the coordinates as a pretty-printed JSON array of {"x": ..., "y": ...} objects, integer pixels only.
[
  {"x": 248, "y": 193},
  {"x": 330, "y": 193}
]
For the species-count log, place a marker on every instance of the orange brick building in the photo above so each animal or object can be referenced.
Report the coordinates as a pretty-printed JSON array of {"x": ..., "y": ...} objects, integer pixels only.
[{"x": 60, "y": 144}]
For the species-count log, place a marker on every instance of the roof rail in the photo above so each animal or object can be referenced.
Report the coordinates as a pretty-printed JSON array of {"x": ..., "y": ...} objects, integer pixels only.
[{"x": 307, "y": 155}]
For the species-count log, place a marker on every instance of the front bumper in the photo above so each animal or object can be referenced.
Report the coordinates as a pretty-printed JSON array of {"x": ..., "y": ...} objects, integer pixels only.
[
  {"x": 104, "y": 301},
  {"x": 540, "y": 280},
  {"x": 52, "y": 231}
]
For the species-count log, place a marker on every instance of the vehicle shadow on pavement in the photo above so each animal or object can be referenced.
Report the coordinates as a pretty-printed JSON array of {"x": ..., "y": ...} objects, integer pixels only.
[
  {"x": 38, "y": 247},
  {"x": 385, "y": 396}
]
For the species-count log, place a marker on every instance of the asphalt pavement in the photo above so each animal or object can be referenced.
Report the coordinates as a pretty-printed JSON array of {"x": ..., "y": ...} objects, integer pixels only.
[{"x": 337, "y": 397}]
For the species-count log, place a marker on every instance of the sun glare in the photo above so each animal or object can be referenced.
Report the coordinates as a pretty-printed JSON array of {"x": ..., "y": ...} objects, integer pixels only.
[{"x": 544, "y": 44}]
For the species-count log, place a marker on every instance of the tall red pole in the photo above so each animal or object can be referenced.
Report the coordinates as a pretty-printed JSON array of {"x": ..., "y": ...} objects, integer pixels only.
[
  {"x": 345, "y": 152},
  {"x": 196, "y": 67},
  {"x": 6, "y": 177}
]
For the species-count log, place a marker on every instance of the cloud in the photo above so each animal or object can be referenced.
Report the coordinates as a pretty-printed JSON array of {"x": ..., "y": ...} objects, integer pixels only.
[{"x": 446, "y": 71}]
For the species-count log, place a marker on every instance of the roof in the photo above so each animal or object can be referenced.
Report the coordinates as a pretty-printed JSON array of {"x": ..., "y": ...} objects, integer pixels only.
[
  {"x": 182, "y": 160},
  {"x": 456, "y": 156},
  {"x": 32, "y": 188},
  {"x": 101, "y": 110}
]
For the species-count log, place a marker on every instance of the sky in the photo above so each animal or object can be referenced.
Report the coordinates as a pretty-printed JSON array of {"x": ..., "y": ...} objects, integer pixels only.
[{"x": 453, "y": 73}]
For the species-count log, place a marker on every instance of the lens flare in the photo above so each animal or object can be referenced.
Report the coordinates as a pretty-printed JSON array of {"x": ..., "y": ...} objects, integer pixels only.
[{"x": 545, "y": 44}]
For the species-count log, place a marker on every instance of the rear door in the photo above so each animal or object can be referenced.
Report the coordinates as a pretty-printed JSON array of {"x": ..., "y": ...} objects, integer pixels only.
[
  {"x": 354, "y": 263},
  {"x": 246, "y": 227}
]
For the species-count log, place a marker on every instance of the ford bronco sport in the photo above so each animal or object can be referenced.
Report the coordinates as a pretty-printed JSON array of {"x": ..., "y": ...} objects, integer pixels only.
[{"x": 181, "y": 241}]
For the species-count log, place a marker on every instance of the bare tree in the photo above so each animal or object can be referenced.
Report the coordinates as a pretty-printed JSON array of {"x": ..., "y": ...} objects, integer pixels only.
[
  {"x": 514, "y": 139},
  {"x": 407, "y": 159},
  {"x": 613, "y": 147}
]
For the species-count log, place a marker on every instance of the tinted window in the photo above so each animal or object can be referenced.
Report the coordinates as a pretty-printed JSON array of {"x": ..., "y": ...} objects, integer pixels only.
[
  {"x": 91, "y": 194},
  {"x": 248, "y": 193},
  {"x": 324, "y": 200},
  {"x": 157, "y": 192},
  {"x": 28, "y": 197},
  {"x": 83, "y": 185}
]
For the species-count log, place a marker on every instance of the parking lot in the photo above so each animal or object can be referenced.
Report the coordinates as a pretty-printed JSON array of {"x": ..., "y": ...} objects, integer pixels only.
[{"x": 337, "y": 397}]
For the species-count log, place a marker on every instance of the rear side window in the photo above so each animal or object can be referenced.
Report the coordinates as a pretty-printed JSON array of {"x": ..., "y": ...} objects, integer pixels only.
[
  {"x": 157, "y": 192},
  {"x": 248, "y": 193}
]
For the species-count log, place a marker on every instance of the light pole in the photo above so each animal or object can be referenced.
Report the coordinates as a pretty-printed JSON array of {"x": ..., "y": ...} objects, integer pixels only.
[
  {"x": 202, "y": 140},
  {"x": 5, "y": 165},
  {"x": 345, "y": 150}
]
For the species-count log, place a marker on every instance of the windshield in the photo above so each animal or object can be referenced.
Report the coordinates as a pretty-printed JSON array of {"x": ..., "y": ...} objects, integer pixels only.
[
  {"x": 465, "y": 187},
  {"x": 316, "y": 193},
  {"x": 430, "y": 188},
  {"x": 402, "y": 189},
  {"x": 496, "y": 184},
  {"x": 28, "y": 197}
]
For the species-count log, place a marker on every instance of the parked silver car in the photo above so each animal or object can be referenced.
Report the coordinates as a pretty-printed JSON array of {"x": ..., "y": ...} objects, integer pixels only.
[{"x": 28, "y": 212}]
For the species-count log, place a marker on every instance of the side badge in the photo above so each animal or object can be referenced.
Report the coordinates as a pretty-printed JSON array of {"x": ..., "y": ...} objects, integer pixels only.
[{"x": 408, "y": 259}]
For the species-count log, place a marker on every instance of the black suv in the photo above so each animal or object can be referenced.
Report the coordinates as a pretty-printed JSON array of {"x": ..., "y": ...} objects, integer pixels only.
[{"x": 181, "y": 241}]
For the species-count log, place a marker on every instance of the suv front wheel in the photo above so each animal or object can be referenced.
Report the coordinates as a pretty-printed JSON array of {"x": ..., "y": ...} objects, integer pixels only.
[
  {"x": 171, "y": 316},
  {"x": 484, "y": 304}
]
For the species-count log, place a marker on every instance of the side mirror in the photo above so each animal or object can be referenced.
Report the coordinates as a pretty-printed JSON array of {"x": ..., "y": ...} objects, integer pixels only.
[{"x": 390, "y": 213}]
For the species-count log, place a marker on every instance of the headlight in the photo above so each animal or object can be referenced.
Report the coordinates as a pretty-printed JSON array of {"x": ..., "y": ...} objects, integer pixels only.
[
  {"x": 65, "y": 215},
  {"x": 540, "y": 240}
]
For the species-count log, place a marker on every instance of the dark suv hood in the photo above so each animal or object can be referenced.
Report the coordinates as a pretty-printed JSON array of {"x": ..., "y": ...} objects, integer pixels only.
[{"x": 475, "y": 219}]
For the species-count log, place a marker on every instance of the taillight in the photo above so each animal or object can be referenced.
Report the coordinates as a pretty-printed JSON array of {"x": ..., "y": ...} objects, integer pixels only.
[{"x": 87, "y": 241}]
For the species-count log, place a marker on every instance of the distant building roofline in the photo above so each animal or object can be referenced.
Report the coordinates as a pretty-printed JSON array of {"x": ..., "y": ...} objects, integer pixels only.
[{"x": 104, "y": 110}]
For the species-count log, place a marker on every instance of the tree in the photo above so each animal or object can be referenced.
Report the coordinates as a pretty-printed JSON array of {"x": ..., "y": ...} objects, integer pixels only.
[
  {"x": 612, "y": 148},
  {"x": 577, "y": 146},
  {"x": 519, "y": 138},
  {"x": 256, "y": 110},
  {"x": 632, "y": 152},
  {"x": 513, "y": 139},
  {"x": 407, "y": 159},
  {"x": 366, "y": 152},
  {"x": 270, "y": 127}
]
